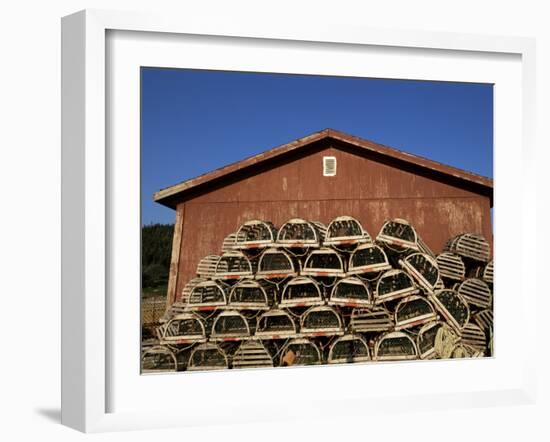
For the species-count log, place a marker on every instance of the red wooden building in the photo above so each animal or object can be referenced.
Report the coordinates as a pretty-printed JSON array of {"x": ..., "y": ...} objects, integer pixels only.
[{"x": 368, "y": 181}]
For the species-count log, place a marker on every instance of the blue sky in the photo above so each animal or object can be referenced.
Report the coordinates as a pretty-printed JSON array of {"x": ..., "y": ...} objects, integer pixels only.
[{"x": 193, "y": 121}]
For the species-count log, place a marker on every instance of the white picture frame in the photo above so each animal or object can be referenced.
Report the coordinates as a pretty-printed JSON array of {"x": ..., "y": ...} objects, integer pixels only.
[{"x": 89, "y": 172}]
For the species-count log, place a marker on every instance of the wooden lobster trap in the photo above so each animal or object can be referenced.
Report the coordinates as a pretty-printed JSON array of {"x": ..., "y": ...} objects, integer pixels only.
[
  {"x": 476, "y": 292},
  {"x": 394, "y": 284},
  {"x": 413, "y": 311},
  {"x": 301, "y": 291},
  {"x": 180, "y": 306},
  {"x": 206, "y": 295},
  {"x": 346, "y": 231},
  {"x": 432, "y": 337},
  {"x": 276, "y": 264},
  {"x": 423, "y": 269},
  {"x": 299, "y": 233},
  {"x": 275, "y": 324},
  {"x": 321, "y": 321},
  {"x": 451, "y": 266},
  {"x": 484, "y": 319},
  {"x": 439, "y": 285},
  {"x": 207, "y": 266},
  {"x": 473, "y": 336},
  {"x": 252, "y": 354},
  {"x": 349, "y": 349},
  {"x": 452, "y": 307},
  {"x": 229, "y": 243},
  {"x": 158, "y": 359},
  {"x": 484, "y": 272},
  {"x": 395, "y": 346},
  {"x": 234, "y": 265},
  {"x": 470, "y": 245},
  {"x": 368, "y": 320},
  {"x": 398, "y": 235},
  {"x": 368, "y": 258},
  {"x": 255, "y": 234},
  {"x": 184, "y": 328},
  {"x": 188, "y": 289},
  {"x": 351, "y": 292},
  {"x": 208, "y": 356},
  {"x": 324, "y": 262},
  {"x": 249, "y": 294},
  {"x": 300, "y": 352},
  {"x": 230, "y": 325}
]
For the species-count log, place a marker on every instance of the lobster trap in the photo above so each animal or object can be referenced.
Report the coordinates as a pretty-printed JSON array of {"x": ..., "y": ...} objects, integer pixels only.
[
  {"x": 208, "y": 356},
  {"x": 234, "y": 265},
  {"x": 206, "y": 295},
  {"x": 158, "y": 359},
  {"x": 255, "y": 234},
  {"x": 184, "y": 328},
  {"x": 451, "y": 266},
  {"x": 349, "y": 349},
  {"x": 351, "y": 292},
  {"x": 275, "y": 324},
  {"x": 346, "y": 231},
  {"x": 249, "y": 294},
  {"x": 394, "y": 284},
  {"x": 180, "y": 306},
  {"x": 300, "y": 352},
  {"x": 472, "y": 335},
  {"x": 413, "y": 311},
  {"x": 470, "y": 245},
  {"x": 229, "y": 243},
  {"x": 452, "y": 307},
  {"x": 368, "y": 258},
  {"x": 207, "y": 266},
  {"x": 301, "y": 291},
  {"x": 476, "y": 292},
  {"x": 188, "y": 289},
  {"x": 230, "y": 325},
  {"x": 484, "y": 319},
  {"x": 252, "y": 354},
  {"x": 324, "y": 262},
  {"x": 299, "y": 233},
  {"x": 423, "y": 269},
  {"x": 376, "y": 319},
  {"x": 398, "y": 235},
  {"x": 484, "y": 272},
  {"x": 321, "y": 321},
  {"x": 395, "y": 346},
  {"x": 432, "y": 338},
  {"x": 276, "y": 264}
]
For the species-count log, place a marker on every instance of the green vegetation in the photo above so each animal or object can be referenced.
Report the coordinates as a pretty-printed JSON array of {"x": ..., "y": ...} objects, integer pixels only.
[{"x": 156, "y": 249}]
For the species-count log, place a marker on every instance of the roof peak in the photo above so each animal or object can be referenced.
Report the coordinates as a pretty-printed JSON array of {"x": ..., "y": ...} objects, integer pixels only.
[{"x": 178, "y": 191}]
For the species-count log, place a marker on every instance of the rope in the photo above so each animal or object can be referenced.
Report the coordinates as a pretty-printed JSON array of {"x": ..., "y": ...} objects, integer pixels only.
[
  {"x": 445, "y": 341},
  {"x": 252, "y": 316},
  {"x": 289, "y": 310},
  {"x": 296, "y": 254},
  {"x": 330, "y": 282}
]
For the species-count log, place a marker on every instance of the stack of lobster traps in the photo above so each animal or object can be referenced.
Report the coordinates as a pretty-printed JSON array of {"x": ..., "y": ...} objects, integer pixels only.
[{"x": 310, "y": 294}]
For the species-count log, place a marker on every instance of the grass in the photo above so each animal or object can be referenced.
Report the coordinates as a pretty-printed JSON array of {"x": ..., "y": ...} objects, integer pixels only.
[{"x": 148, "y": 292}]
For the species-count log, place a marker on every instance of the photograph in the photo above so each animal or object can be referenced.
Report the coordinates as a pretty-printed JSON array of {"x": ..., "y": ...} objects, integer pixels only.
[{"x": 294, "y": 220}]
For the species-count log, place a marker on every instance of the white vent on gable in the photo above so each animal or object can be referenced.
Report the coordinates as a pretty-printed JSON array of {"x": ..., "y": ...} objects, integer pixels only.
[{"x": 329, "y": 166}]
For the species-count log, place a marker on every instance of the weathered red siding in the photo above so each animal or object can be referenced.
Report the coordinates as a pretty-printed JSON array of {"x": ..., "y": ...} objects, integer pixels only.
[{"x": 363, "y": 188}]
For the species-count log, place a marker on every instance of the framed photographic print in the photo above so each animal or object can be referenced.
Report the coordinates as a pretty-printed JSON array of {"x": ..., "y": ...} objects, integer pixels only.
[{"x": 270, "y": 217}]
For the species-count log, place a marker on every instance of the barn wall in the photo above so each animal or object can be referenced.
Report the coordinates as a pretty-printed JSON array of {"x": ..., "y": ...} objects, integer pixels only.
[{"x": 365, "y": 189}]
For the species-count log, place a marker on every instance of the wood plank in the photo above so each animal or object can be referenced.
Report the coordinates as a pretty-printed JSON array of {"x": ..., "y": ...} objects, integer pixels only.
[{"x": 171, "y": 294}]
